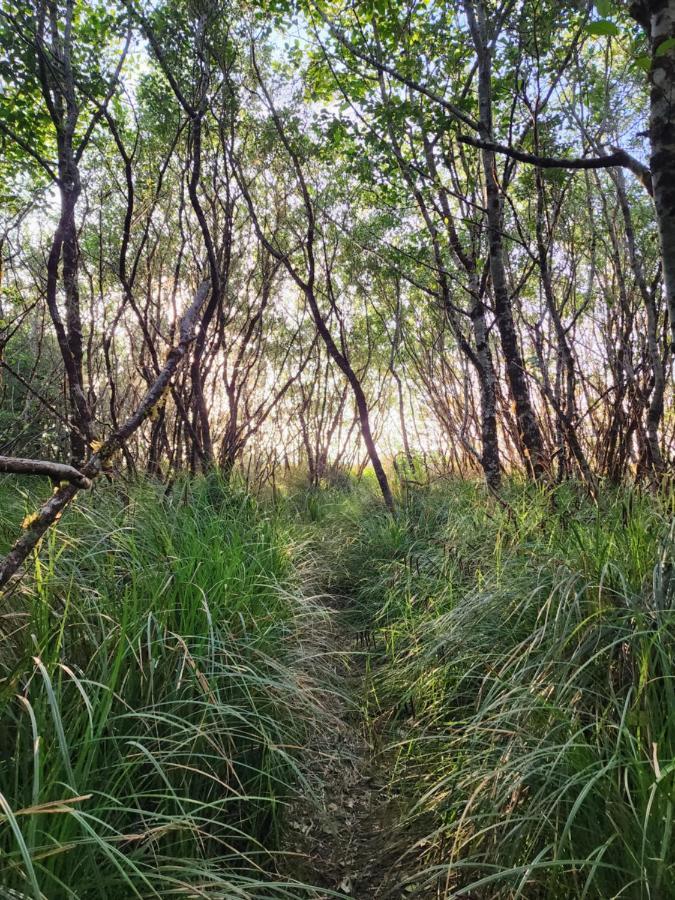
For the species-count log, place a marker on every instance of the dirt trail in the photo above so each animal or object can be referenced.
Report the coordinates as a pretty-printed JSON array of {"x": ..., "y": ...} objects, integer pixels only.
[{"x": 343, "y": 833}]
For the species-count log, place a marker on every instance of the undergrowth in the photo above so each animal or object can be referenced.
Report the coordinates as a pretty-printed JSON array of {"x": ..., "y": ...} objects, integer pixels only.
[
  {"x": 154, "y": 706},
  {"x": 151, "y": 710},
  {"x": 523, "y": 673}
]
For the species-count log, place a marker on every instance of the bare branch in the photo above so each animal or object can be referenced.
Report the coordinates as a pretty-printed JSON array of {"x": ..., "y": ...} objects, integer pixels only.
[
  {"x": 618, "y": 157},
  {"x": 14, "y": 465},
  {"x": 50, "y": 511}
]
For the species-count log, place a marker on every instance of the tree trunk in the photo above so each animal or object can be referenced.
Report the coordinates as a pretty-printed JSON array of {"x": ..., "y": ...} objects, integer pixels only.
[
  {"x": 532, "y": 444},
  {"x": 657, "y": 17},
  {"x": 488, "y": 395}
]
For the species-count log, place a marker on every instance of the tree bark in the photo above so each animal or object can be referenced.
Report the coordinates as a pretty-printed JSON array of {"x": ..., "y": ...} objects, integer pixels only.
[
  {"x": 657, "y": 17},
  {"x": 532, "y": 444},
  {"x": 57, "y": 81}
]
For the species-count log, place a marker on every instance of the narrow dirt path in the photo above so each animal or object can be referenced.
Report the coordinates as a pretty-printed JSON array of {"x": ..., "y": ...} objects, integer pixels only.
[{"x": 342, "y": 834}]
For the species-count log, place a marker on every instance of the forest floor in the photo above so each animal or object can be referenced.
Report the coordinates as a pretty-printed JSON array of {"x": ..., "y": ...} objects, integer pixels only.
[{"x": 344, "y": 833}]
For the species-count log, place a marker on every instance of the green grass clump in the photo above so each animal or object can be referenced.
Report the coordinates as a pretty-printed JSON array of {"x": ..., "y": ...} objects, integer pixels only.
[
  {"x": 526, "y": 664},
  {"x": 151, "y": 706}
]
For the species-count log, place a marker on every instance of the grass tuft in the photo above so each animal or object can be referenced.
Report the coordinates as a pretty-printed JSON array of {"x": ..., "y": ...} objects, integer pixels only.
[{"x": 151, "y": 707}]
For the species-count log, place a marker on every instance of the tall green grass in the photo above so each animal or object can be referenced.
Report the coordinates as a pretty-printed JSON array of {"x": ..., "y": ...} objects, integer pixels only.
[
  {"x": 154, "y": 705},
  {"x": 152, "y": 710},
  {"x": 525, "y": 662}
]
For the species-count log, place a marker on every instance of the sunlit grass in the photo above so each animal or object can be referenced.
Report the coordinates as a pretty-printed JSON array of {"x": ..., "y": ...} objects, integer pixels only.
[{"x": 151, "y": 711}]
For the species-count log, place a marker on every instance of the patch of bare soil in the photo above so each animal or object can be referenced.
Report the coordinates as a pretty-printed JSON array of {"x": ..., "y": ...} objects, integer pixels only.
[{"x": 343, "y": 834}]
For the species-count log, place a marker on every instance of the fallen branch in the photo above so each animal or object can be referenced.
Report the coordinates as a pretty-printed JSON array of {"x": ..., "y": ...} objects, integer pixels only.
[
  {"x": 14, "y": 465},
  {"x": 51, "y": 511},
  {"x": 618, "y": 157}
]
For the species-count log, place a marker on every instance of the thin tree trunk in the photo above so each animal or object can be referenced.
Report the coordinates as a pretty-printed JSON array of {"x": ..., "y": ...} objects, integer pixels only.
[
  {"x": 528, "y": 429},
  {"x": 655, "y": 404}
]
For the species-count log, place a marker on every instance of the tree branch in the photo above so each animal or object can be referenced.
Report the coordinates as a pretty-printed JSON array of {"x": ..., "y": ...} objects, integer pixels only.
[
  {"x": 393, "y": 72},
  {"x": 50, "y": 511},
  {"x": 618, "y": 157},
  {"x": 14, "y": 465},
  {"x": 26, "y": 147}
]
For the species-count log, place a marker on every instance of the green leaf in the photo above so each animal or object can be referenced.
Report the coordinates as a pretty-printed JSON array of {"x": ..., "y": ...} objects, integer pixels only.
[
  {"x": 602, "y": 27},
  {"x": 664, "y": 47},
  {"x": 604, "y": 8},
  {"x": 643, "y": 62}
]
